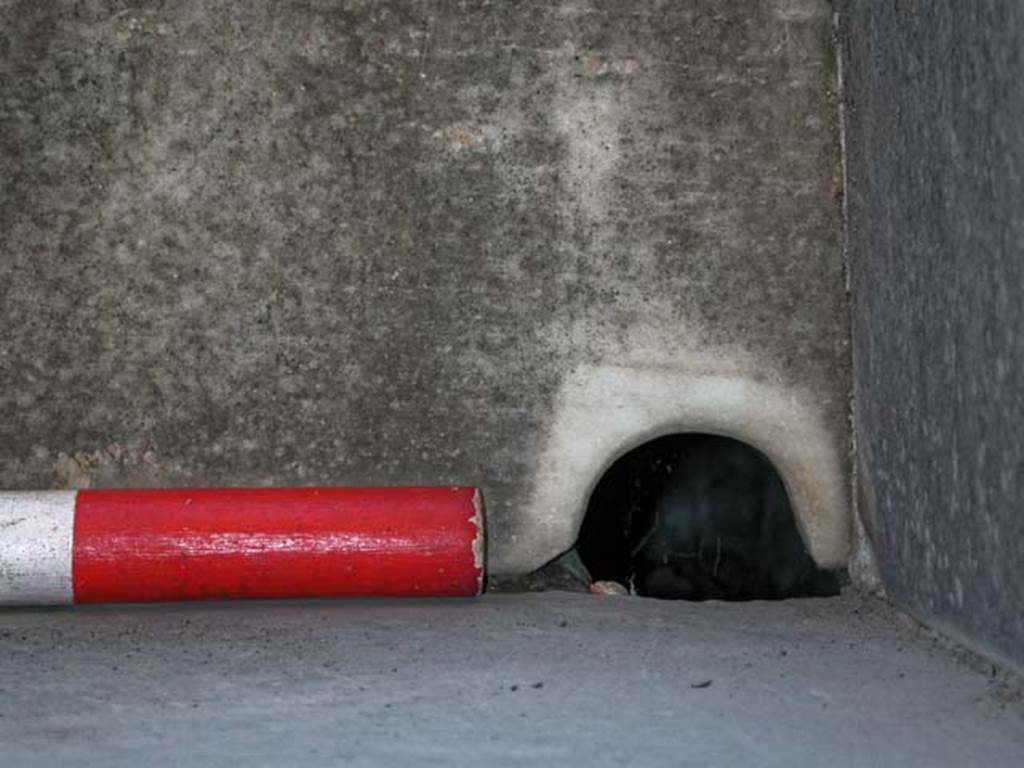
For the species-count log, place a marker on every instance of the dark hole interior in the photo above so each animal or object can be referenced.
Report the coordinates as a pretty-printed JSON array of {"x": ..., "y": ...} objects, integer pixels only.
[{"x": 697, "y": 517}]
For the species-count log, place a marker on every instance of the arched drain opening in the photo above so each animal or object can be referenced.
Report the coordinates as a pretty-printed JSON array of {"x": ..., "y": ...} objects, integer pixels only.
[{"x": 698, "y": 516}]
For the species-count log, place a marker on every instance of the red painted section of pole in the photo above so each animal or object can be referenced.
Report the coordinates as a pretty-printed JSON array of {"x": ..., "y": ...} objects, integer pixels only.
[{"x": 197, "y": 544}]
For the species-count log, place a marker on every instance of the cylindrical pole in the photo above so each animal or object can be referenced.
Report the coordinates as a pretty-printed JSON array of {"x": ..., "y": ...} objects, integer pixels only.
[{"x": 93, "y": 546}]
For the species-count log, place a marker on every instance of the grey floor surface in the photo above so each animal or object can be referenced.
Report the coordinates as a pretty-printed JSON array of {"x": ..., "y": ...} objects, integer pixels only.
[{"x": 539, "y": 679}]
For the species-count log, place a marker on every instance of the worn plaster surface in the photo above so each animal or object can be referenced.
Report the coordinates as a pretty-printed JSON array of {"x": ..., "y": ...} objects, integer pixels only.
[
  {"x": 370, "y": 242},
  {"x": 935, "y": 156},
  {"x": 604, "y": 412},
  {"x": 547, "y": 679}
]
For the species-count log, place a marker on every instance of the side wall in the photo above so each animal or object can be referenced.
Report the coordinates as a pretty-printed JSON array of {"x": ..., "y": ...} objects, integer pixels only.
[{"x": 934, "y": 104}]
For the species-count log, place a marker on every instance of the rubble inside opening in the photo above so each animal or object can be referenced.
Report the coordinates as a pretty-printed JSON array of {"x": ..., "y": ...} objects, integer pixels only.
[{"x": 698, "y": 516}]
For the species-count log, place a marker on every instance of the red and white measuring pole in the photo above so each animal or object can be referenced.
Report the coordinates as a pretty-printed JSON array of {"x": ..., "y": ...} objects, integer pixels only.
[{"x": 94, "y": 546}]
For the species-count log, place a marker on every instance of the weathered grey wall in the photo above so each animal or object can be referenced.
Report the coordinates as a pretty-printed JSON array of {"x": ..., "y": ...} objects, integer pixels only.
[
  {"x": 351, "y": 241},
  {"x": 934, "y": 95}
]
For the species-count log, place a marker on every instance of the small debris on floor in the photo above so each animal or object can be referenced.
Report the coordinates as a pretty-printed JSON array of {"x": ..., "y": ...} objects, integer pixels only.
[
  {"x": 566, "y": 573},
  {"x": 702, "y": 684},
  {"x": 535, "y": 686},
  {"x": 607, "y": 588}
]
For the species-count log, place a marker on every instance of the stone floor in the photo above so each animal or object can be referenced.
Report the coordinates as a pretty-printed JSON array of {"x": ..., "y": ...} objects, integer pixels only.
[{"x": 529, "y": 679}]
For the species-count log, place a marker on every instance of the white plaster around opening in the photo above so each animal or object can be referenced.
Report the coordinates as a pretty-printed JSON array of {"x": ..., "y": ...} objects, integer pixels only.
[{"x": 605, "y": 411}]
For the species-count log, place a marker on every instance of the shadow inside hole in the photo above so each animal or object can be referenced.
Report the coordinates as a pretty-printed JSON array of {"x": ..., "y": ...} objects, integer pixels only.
[{"x": 697, "y": 517}]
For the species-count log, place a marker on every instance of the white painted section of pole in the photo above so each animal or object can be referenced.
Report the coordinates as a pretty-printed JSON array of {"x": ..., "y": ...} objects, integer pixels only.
[{"x": 36, "y": 532}]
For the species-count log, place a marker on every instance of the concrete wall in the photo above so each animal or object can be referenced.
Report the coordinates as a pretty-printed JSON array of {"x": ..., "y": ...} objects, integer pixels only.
[
  {"x": 934, "y": 101},
  {"x": 395, "y": 242}
]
